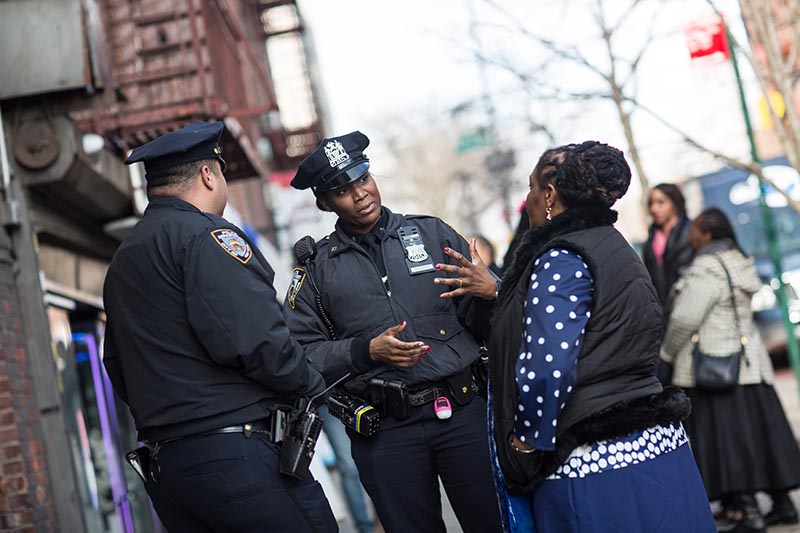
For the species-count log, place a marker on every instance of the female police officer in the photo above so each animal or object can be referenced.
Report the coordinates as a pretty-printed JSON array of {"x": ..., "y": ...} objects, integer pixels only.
[{"x": 367, "y": 304}]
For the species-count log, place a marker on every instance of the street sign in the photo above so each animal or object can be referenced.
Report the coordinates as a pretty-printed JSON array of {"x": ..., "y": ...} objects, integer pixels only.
[
  {"x": 500, "y": 161},
  {"x": 473, "y": 140},
  {"x": 706, "y": 39}
]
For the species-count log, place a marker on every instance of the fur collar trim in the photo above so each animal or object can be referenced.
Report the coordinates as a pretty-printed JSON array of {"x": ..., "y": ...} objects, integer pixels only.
[{"x": 573, "y": 219}]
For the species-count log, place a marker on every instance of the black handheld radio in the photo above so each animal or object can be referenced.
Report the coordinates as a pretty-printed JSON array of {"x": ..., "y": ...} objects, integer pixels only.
[
  {"x": 305, "y": 249},
  {"x": 303, "y": 429}
]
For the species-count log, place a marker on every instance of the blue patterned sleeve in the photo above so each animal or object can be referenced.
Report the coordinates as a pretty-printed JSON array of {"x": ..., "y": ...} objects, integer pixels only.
[{"x": 556, "y": 312}]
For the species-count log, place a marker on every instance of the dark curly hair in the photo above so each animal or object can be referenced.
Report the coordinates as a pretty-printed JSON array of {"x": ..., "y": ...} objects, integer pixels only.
[{"x": 586, "y": 174}]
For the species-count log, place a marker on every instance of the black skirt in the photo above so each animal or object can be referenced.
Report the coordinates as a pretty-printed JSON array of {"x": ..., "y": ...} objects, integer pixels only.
[{"x": 742, "y": 441}]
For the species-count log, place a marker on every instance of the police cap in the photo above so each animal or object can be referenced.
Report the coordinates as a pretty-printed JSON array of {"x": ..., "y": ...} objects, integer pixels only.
[
  {"x": 334, "y": 163},
  {"x": 197, "y": 141}
]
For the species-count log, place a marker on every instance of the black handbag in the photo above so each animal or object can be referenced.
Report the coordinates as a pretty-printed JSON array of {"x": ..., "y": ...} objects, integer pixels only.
[{"x": 714, "y": 372}]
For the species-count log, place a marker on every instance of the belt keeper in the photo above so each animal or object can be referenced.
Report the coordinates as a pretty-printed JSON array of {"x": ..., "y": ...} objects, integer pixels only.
[{"x": 247, "y": 430}]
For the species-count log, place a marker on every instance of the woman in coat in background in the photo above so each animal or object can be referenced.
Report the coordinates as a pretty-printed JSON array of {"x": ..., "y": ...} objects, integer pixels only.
[
  {"x": 740, "y": 437},
  {"x": 667, "y": 252}
]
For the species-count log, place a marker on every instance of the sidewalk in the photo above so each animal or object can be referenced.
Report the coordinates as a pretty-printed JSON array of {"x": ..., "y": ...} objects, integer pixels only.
[{"x": 788, "y": 392}]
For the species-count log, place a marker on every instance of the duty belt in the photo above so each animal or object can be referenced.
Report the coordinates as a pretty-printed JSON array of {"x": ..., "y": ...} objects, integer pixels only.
[
  {"x": 415, "y": 398},
  {"x": 262, "y": 426}
]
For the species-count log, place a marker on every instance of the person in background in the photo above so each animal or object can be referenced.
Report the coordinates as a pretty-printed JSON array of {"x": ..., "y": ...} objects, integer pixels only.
[
  {"x": 196, "y": 346},
  {"x": 348, "y": 471},
  {"x": 585, "y": 436},
  {"x": 667, "y": 252},
  {"x": 522, "y": 227},
  {"x": 487, "y": 253},
  {"x": 368, "y": 304},
  {"x": 741, "y": 439}
]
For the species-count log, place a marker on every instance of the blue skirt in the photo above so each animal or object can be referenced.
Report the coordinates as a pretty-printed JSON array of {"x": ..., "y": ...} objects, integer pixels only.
[{"x": 664, "y": 494}]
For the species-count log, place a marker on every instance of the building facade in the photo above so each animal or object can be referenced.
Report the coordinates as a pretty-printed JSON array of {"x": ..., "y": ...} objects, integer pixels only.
[{"x": 85, "y": 81}]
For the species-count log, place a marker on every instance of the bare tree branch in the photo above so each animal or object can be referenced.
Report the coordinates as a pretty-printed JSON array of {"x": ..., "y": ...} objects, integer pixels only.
[
  {"x": 569, "y": 53},
  {"x": 650, "y": 37},
  {"x": 623, "y": 99},
  {"x": 751, "y": 166},
  {"x": 628, "y": 12},
  {"x": 777, "y": 73},
  {"x": 772, "y": 76},
  {"x": 618, "y": 97},
  {"x": 794, "y": 9}
]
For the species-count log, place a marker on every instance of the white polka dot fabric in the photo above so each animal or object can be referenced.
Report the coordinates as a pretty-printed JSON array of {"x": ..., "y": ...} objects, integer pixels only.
[
  {"x": 556, "y": 312},
  {"x": 619, "y": 453}
]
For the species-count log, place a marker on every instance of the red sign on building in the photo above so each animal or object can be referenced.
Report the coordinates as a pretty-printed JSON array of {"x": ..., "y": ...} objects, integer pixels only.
[{"x": 707, "y": 38}]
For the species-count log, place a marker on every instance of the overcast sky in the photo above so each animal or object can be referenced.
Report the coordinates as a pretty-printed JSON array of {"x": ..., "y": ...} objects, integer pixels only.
[{"x": 379, "y": 58}]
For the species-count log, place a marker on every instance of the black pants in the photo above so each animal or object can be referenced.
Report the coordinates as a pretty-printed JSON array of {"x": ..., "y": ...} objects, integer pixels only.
[
  {"x": 229, "y": 483},
  {"x": 400, "y": 467}
]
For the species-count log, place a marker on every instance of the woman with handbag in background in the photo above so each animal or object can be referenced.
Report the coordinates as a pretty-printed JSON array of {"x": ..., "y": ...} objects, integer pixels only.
[{"x": 738, "y": 431}]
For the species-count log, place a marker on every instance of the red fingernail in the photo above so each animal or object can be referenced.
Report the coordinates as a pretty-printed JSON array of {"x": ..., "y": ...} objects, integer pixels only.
[
  {"x": 403, "y": 323},
  {"x": 438, "y": 266},
  {"x": 427, "y": 349},
  {"x": 446, "y": 249}
]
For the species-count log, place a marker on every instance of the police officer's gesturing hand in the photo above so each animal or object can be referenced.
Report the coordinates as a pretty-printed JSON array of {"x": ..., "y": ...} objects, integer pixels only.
[
  {"x": 473, "y": 277},
  {"x": 387, "y": 348}
]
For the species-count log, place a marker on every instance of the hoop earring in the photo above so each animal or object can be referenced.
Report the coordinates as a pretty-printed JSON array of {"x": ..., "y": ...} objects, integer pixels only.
[{"x": 548, "y": 211}]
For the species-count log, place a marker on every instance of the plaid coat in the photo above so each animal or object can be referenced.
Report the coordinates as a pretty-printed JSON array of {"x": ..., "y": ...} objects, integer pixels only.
[{"x": 701, "y": 303}]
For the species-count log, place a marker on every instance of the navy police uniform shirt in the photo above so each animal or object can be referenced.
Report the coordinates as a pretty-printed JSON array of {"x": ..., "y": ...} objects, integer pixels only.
[
  {"x": 195, "y": 339},
  {"x": 362, "y": 304}
]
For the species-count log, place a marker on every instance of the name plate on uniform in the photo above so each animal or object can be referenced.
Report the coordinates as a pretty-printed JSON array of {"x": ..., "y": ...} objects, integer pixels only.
[{"x": 417, "y": 259}]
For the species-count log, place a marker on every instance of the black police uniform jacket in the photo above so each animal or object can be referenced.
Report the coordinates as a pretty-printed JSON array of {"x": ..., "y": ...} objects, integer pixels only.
[
  {"x": 361, "y": 306},
  {"x": 616, "y": 391},
  {"x": 195, "y": 339}
]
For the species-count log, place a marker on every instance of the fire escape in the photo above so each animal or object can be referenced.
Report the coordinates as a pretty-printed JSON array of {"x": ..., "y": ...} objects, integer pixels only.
[{"x": 292, "y": 61}]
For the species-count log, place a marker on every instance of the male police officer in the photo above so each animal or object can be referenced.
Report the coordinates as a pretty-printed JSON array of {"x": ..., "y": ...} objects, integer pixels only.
[
  {"x": 381, "y": 318},
  {"x": 196, "y": 346}
]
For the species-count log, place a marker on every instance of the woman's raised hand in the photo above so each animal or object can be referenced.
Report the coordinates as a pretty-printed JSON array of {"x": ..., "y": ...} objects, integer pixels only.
[{"x": 471, "y": 277}]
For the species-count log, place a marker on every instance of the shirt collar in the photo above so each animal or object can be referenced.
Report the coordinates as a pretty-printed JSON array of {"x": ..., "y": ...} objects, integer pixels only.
[
  {"x": 172, "y": 202},
  {"x": 378, "y": 231}
]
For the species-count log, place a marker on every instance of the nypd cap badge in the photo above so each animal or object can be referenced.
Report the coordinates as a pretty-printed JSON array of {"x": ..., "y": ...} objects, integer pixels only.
[
  {"x": 233, "y": 244},
  {"x": 335, "y": 153}
]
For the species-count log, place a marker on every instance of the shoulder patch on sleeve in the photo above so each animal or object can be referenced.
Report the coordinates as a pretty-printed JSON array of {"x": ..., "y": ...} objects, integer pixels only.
[
  {"x": 298, "y": 277},
  {"x": 233, "y": 244}
]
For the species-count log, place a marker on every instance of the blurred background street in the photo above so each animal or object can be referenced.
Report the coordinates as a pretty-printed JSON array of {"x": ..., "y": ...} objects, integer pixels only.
[{"x": 459, "y": 99}]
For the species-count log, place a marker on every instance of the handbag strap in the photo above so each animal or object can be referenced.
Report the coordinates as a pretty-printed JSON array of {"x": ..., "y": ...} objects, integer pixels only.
[{"x": 742, "y": 339}]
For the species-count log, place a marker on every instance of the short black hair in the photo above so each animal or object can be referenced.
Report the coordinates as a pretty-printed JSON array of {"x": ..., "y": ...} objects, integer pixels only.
[
  {"x": 177, "y": 177},
  {"x": 484, "y": 241},
  {"x": 673, "y": 192},
  {"x": 586, "y": 174}
]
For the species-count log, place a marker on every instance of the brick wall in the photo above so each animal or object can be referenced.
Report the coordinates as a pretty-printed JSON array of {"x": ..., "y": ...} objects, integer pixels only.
[{"x": 25, "y": 498}]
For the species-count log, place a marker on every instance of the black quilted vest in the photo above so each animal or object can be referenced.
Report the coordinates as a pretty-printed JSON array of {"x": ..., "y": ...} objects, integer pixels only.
[{"x": 616, "y": 390}]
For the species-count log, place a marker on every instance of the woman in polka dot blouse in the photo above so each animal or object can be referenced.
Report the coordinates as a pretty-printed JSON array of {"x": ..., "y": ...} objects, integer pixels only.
[{"x": 585, "y": 437}]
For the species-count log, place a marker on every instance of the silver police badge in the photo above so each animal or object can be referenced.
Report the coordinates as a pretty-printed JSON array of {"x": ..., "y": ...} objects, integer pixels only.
[
  {"x": 416, "y": 253},
  {"x": 336, "y": 153}
]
